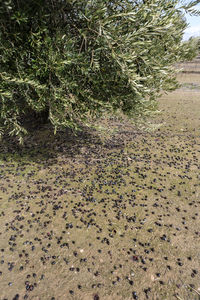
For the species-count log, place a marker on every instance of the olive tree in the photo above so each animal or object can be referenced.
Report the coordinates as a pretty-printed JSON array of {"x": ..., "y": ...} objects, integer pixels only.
[{"x": 76, "y": 59}]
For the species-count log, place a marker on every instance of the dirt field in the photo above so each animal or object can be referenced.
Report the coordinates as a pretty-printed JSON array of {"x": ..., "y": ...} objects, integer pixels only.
[{"x": 103, "y": 216}]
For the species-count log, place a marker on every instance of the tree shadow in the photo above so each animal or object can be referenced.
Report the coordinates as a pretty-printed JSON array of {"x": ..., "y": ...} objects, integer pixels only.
[{"x": 41, "y": 145}]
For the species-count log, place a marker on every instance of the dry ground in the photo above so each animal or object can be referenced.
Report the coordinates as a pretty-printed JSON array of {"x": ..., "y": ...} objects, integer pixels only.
[{"x": 105, "y": 216}]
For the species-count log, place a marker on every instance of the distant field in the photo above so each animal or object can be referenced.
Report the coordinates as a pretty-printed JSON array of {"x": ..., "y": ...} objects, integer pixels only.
[
  {"x": 193, "y": 66},
  {"x": 190, "y": 72},
  {"x": 189, "y": 78}
]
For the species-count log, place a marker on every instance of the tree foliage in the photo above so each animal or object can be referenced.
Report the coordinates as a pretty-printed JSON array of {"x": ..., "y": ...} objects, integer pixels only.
[
  {"x": 192, "y": 48},
  {"x": 74, "y": 59}
]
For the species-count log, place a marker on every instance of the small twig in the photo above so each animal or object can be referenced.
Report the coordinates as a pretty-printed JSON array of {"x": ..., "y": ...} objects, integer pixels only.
[
  {"x": 92, "y": 58},
  {"x": 194, "y": 290},
  {"x": 81, "y": 46},
  {"x": 178, "y": 297}
]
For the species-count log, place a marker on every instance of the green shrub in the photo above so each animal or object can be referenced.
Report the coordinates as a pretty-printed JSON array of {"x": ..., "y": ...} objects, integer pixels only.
[{"x": 77, "y": 59}]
